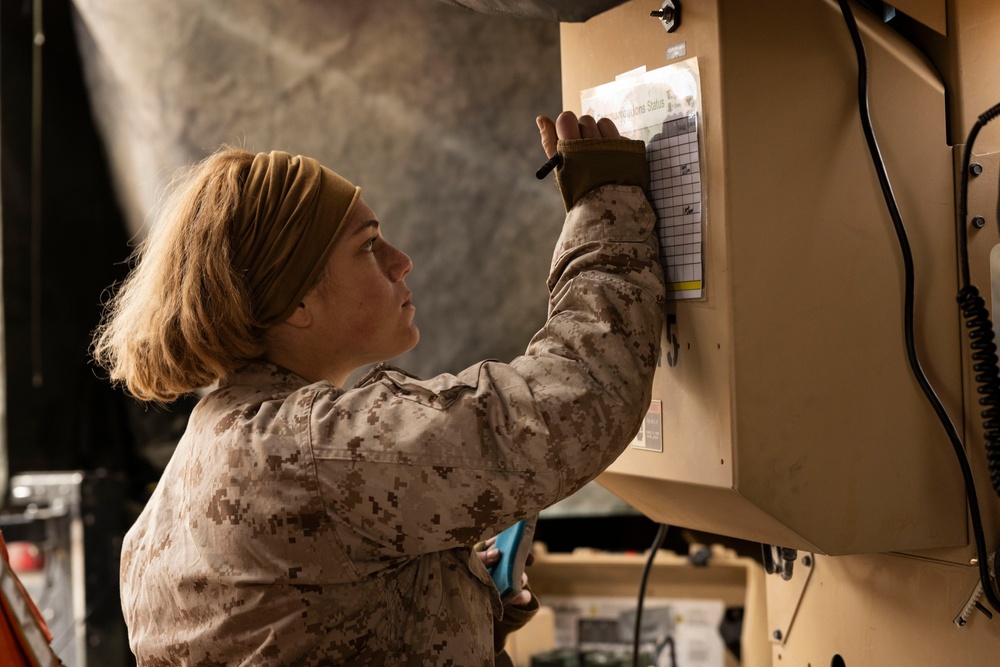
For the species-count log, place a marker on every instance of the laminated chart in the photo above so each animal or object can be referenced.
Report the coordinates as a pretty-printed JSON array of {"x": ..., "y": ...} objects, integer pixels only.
[{"x": 662, "y": 108}]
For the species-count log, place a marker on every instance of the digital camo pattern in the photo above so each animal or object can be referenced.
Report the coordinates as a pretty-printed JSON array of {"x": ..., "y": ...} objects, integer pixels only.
[{"x": 302, "y": 524}]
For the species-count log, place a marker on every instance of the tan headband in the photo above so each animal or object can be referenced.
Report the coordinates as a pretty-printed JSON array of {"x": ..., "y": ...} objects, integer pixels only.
[{"x": 293, "y": 209}]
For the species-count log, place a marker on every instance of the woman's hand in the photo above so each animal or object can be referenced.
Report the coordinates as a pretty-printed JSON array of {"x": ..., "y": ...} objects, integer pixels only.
[
  {"x": 487, "y": 552},
  {"x": 490, "y": 556},
  {"x": 568, "y": 126},
  {"x": 522, "y": 599}
]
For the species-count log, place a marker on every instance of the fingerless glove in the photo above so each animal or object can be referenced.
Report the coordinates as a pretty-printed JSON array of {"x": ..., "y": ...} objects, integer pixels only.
[{"x": 590, "y": 163}]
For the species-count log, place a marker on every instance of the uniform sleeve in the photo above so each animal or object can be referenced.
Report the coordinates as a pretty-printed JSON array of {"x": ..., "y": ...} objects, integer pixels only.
[{"x": 409, "y": 466}]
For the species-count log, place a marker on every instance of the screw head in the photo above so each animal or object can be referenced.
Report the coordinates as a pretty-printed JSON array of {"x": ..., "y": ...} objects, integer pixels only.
[
  {"x": 979, "y": 222},
  {"x": 776, "y": 634},
  {"x": 975, "y": 169},
  {"x": 807, "y": 561}
]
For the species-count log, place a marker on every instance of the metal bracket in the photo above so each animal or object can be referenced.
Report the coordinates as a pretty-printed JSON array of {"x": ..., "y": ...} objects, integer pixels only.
[
  {"x": 962, "y": 617},
  {"x": 784, "y": 595},
  {"x": 669, "y": 14}
]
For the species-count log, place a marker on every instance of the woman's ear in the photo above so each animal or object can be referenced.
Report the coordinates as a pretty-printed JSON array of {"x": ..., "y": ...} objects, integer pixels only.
[{"x": 301, "y": 317}]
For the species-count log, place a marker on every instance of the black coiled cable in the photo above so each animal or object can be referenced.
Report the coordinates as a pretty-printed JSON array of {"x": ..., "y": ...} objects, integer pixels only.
[
  {"x": 977, "y": 318},
  {"x": 986, "y": 373}
]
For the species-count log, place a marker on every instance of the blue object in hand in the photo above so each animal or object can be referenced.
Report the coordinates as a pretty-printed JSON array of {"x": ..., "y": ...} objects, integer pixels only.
[{"x": 514, "y": 545}]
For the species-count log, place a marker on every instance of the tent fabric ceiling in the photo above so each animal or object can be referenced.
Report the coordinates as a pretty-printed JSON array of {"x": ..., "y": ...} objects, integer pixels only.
[
  {"x": 428, "y": 107},
  {"x": 554, "y": 10}
]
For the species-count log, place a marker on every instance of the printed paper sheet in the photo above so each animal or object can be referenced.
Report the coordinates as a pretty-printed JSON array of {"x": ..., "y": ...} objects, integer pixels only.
[{"x": 663, "y": 108}]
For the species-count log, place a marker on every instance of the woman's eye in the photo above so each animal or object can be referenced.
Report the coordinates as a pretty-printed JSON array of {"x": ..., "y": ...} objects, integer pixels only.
[{"x": 369, "y": 245}]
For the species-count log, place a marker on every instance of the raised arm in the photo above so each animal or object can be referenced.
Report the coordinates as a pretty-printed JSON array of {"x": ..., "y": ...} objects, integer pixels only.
[{"x": 412, "y": 466}]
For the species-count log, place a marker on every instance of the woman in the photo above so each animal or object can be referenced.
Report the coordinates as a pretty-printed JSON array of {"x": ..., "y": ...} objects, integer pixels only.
[{"x": 303, "y": 523}]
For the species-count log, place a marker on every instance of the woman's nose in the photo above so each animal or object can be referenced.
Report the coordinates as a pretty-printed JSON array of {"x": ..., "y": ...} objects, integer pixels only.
[{"x": 399, "y": 265}]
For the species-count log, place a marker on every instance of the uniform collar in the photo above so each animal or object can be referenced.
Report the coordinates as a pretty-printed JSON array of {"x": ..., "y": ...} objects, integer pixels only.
[{"x": 258, "y": 373}]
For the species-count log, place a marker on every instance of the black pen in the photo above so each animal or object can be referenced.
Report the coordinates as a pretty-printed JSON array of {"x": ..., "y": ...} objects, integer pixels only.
[{"x": 552, "y": 163}]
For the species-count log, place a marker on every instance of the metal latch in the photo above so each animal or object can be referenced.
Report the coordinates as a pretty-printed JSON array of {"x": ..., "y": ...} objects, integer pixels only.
[{"x": 669, "y": 14}]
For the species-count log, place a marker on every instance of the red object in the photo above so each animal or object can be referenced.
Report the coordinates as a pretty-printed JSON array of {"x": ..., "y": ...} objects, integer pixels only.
[
  {"x": 25, "y": 556},
  {"x": 24, "y": 636}
]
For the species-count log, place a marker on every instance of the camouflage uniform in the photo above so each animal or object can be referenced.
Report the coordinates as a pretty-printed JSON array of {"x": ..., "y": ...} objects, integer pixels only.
[{"x": 304, "y": 524}]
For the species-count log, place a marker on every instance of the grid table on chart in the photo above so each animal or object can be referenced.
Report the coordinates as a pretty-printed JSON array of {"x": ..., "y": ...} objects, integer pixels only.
[{"x": 675, "y": 183}]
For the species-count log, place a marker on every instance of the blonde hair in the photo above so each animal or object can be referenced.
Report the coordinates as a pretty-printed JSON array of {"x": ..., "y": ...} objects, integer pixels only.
[{"x": 182, "y": 319}]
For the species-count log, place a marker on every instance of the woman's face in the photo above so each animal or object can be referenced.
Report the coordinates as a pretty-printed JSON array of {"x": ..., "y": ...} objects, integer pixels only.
[{"x": 362, "y": 305}]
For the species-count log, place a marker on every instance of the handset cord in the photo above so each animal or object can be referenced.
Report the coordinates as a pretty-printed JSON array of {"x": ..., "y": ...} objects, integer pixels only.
[
  {"x": 911, "y": 353},
  {"x": 977, "y": 317}
]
